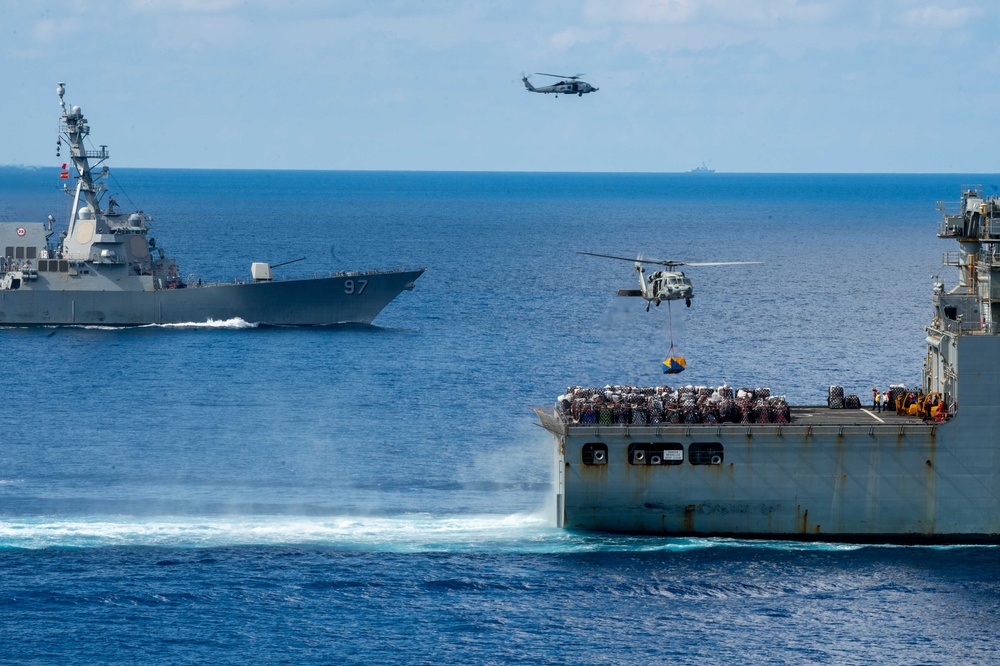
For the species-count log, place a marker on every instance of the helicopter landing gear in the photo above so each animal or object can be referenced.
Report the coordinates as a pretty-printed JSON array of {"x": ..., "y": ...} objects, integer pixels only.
[{"x": 687, "y": 302}]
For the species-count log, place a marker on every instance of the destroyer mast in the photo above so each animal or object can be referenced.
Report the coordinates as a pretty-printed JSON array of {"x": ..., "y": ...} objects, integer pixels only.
[
  {"x": 74, "y": 127},
  {"x": 106, "y": 236}
]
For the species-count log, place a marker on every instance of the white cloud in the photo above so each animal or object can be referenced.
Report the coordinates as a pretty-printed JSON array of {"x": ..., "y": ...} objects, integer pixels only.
[
  {"x": 640, "y": 11},
  {"x": 788, "y": 27},
  {"x": 570, "y": 37},
  {"x": 185, "y": 32},
  {"x": 937, "y": 17},
  {"x": 48, "y": 31},
  {"x": 186, "y": 6},
  {"x": 647, "y": 12}
]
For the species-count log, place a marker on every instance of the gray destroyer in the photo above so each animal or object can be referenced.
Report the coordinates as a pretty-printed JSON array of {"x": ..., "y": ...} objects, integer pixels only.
[
  {"x": 648, "y": 460},
  {"x": 104, "y": 269}
]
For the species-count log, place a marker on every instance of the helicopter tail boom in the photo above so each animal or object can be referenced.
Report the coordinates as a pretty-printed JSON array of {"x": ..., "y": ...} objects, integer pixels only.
[
  {"x": 527, "y": 84},
  {"x": 631, "y": 292}
]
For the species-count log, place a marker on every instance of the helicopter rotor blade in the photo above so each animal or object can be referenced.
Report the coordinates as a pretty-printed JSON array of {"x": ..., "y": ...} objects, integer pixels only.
[
  {"x": 671, "y": 263},
  {"x": 633, "y": 259},
  {"x": 559, "y": 76},
  {"x": 716, "y": 263}
]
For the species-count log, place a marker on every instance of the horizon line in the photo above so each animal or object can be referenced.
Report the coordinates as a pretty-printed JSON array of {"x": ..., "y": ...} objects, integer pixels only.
[{"x": 689, "y": 172}]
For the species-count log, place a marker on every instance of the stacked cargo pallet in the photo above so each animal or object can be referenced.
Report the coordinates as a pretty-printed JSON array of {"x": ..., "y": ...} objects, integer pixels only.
[{"x": 631, "y": 405}]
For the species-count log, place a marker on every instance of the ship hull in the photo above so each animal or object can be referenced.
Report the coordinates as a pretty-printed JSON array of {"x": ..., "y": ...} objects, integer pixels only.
[
  {"x": 308, "y": 302},
  {"x": 830, "y": 474},
  {"x": 910, "y": 483},
  {"x": 820, "y": 473},
  {"x": 854, "y": 483}
]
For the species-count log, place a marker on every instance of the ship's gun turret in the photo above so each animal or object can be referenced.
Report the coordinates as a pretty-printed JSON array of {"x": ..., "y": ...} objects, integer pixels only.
[{"x": 261, "y": 271}]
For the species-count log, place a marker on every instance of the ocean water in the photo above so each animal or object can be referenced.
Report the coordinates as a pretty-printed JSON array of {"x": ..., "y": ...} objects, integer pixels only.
[{"x": 218, "y": 493}]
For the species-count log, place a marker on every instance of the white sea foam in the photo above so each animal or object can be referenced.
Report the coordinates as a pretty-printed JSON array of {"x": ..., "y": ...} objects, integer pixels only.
[
  {"x": 235, "y": 323},
  {"x": 410, "y": 533}
]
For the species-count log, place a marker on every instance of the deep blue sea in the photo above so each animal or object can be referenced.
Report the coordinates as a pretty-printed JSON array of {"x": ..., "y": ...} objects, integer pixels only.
[{"x": 232, "y": 494}]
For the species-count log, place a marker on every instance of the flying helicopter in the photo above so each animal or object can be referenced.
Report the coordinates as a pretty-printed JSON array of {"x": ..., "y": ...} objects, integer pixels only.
[
  {"x": 569, "y": 85},
  {"x": 664, "y": 285}
]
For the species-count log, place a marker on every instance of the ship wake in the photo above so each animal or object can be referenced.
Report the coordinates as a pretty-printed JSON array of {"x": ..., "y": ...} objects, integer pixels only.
[
  {"x": 234, "y": 323},
  {"x": 410, "y": 533}
]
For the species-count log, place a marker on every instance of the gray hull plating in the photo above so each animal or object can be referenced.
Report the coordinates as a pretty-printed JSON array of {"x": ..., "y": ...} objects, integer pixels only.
[
  {"x": 862, "y": 483},
  {"x": 849, "y": 476},
  {"x": 315, "y": 301}
]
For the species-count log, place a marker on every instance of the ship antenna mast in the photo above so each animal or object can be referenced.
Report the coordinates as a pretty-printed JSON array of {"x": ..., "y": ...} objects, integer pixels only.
[{"x": 75, "y": 127}]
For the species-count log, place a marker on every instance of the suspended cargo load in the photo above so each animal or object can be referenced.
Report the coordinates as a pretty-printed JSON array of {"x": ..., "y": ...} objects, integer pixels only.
[{"x": 674, "y": 365}]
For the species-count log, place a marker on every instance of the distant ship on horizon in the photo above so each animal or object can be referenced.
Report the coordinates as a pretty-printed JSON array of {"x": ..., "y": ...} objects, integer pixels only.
[{"x": 702, "y": 169}]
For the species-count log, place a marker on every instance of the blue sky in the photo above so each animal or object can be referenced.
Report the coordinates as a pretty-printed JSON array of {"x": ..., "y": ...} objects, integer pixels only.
[{"x": 743, "y": 85}]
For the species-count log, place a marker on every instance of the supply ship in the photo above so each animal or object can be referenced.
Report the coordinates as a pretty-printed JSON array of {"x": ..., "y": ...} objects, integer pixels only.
[
  {"x": 105, "y": 269},
  {"x": 741, "y": 463}
]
